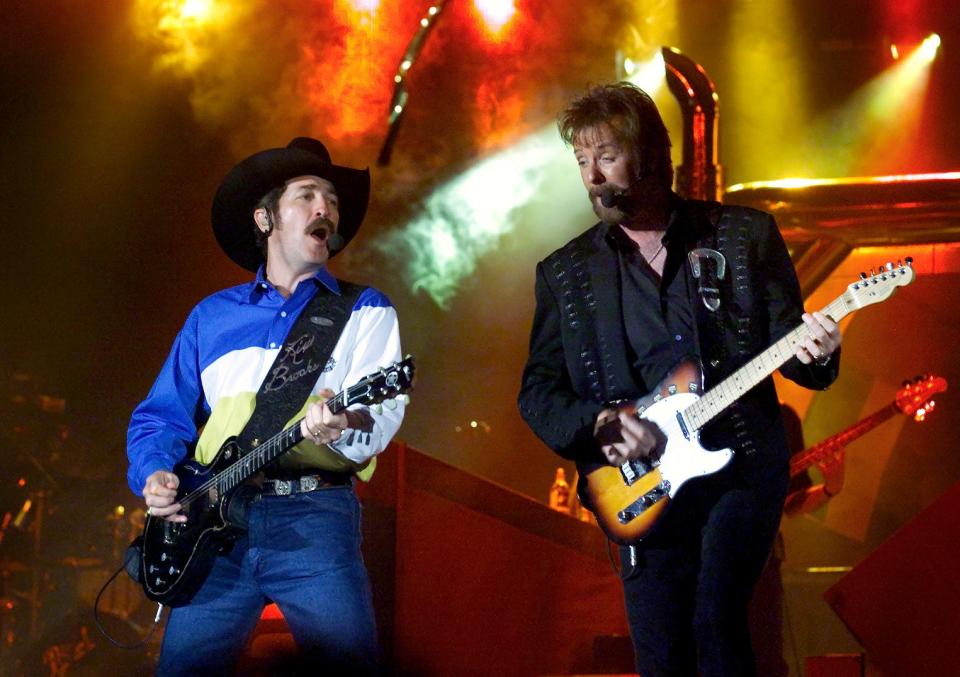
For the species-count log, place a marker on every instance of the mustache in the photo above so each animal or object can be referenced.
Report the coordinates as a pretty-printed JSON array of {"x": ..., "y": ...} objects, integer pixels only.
[
  {"x": 320, "y": 223},
  {"x": 610, "y": 195},
  {"x": 334, "y": 240}
]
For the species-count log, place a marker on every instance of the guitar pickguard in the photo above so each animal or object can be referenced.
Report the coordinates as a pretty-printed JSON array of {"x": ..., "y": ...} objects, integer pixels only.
[{"x": 629, "y": 499}]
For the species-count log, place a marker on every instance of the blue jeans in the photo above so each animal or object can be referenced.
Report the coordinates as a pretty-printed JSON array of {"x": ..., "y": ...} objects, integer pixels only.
[{"x": 302, "y": 552}]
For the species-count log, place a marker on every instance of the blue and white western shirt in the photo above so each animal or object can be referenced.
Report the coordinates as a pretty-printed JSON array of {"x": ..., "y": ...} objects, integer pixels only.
[{"x": 225, "y": 350}]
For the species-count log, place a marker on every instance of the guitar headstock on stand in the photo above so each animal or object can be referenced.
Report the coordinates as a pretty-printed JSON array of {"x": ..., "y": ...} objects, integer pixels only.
[{"x": 915, "y": 397}]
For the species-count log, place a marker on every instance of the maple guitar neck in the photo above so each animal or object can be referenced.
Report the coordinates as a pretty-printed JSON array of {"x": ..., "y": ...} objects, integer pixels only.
[
  {"x": 760, "y": 367},
  {"x": 870, "y": 289},
  {"x": 808, "y": 457},
  {"x": 628, "y": 499}
]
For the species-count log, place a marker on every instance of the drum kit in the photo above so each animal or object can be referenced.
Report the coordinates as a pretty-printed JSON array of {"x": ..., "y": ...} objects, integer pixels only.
[{"x": 63, "y": 531}]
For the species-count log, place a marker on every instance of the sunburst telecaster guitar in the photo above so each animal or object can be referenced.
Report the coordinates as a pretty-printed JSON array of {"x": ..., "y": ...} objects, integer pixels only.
[
  {"x": 178, "y": 556},
  {"x": 630, "y": 498},
  {"x": 913, "y": 399}
]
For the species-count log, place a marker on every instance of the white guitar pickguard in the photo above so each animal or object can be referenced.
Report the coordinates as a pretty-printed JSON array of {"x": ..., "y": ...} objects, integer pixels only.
[{"x": 683, "y": 459}]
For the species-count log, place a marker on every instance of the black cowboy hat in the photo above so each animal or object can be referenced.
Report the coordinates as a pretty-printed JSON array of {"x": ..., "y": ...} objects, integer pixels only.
[{"x": 244, "y": 186}]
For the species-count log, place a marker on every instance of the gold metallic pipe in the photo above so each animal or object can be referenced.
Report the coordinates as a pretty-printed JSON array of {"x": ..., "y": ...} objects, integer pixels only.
[{"x": 699, "y": 176}]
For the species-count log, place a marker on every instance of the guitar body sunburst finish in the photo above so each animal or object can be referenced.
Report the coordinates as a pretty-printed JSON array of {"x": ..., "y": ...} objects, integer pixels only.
[{"x": 629, "y": 500}]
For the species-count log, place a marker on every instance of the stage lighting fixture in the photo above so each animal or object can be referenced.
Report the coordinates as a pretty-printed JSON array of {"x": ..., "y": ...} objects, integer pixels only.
[{"x": 929, "y": 47}]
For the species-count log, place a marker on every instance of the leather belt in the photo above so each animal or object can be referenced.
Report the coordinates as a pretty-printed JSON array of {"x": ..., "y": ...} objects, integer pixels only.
[{"x": 304, "y": 484}]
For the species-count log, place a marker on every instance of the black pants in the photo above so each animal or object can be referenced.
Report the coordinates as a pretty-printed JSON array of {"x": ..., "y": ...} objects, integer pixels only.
[{"x": 688, "y": 590}]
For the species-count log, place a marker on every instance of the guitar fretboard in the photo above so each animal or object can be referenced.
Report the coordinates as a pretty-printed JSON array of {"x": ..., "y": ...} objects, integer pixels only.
[
  {"x": 728, "y": 391},
  {"x": 264, "y": 453}
]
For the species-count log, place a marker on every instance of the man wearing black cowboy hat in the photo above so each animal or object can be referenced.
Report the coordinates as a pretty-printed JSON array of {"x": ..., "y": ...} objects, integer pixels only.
[{"x": 281, "y": 213}]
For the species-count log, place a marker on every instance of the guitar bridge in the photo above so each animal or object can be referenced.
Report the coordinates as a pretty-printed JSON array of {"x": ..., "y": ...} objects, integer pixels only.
[{"x": 644, "y": 502}]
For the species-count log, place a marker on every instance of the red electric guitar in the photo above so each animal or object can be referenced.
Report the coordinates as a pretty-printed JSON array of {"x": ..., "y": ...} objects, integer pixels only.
[{"x": 912, "y": 400}]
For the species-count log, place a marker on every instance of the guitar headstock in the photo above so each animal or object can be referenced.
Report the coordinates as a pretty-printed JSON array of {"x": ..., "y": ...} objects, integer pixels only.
[
  {"x": 384, "y": 385},
  {"x": 913, "y": 399},
  {"x": 879, "y": 285}
]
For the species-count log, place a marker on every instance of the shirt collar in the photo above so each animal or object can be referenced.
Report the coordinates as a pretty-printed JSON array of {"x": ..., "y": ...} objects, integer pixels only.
[
  {"x": 261, "y": 284},
  {"x": 682, "y": 224}
]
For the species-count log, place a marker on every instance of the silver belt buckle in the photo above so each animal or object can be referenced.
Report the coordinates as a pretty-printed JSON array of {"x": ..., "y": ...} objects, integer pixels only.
[
  {"x": 282, "y": 487},
  {"x": 308, "y": 483}
]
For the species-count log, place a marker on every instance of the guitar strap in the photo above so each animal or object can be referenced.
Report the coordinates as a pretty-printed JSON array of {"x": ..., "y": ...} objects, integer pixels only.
[
  {"x": 286, "y": 386},
  {"x": 727, "y": 309},
  {"x": 301, "y": 360}
]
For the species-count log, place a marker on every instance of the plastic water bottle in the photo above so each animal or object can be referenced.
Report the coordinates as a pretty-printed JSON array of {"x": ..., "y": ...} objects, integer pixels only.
[{"x": 560, "y": 493}]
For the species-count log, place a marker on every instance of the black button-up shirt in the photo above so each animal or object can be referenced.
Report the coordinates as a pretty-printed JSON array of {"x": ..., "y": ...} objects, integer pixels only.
[{"x": 657, "y": 315}]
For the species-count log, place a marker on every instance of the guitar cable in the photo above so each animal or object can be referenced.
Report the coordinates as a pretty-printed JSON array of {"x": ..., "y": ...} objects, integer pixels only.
[{"x": 103, "y": 631}]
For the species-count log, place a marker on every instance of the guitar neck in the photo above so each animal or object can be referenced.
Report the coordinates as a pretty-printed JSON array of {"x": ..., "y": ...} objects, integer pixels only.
[
  {"x": 261, "y": 455},
  {"x": 808, "y": 457},
  {"x": 753, "y": 372}
]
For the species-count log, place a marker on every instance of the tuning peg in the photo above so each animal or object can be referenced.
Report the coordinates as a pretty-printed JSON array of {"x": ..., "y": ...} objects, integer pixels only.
[
  {"x": 909, "y": 261},
  {"x": 390, "y": 404},
  {"x": 378, "y": 408},
  {"x": 889, "y": 265},
  {"x": 404, "y": 399}
]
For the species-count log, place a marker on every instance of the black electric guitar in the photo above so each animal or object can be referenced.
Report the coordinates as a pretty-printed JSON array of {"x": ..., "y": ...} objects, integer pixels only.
[
  {"x": 178, "y": 556},
  {"x": 629, "y": 499}
]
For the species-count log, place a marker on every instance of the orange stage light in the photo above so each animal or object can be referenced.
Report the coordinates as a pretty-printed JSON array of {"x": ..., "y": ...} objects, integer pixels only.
[{"x": 496, "y": 14}]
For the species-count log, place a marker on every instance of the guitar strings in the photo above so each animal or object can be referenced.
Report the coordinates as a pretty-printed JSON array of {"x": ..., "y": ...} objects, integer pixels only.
[
  {"x": 339, "y": 401},
  {"x": 338, "y": 406}
]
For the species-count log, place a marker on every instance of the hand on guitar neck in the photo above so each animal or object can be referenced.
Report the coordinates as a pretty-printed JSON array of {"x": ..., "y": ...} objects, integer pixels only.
[
  {"x": 629, "y": 497},
  {"x": 832, "y": 468},
  {"x": 913, "y": 399},
  {"x": 822, "y": 340},
  {"x": 809, "y": 499},
  {"x": 319, "y": 424},
  {"x": 623, "y": 436}
]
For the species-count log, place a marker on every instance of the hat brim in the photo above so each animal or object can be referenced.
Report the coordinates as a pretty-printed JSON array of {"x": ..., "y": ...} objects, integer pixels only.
[{"x": 246, "y": 184}]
